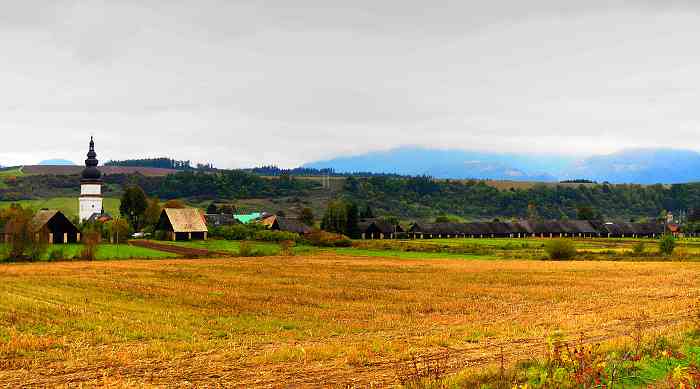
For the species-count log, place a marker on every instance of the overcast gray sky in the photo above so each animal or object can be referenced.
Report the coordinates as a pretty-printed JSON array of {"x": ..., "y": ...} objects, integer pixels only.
[{"x": 286, "y": 82}]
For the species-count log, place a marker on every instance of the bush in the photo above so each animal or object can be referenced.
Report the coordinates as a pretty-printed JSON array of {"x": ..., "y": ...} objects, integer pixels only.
[
  {"x": 275, "y": 236},
  {"x": 327, "y": 239},
  {"x": 236, "y": 232},
  {"x": 245, "y": 249},
  {"x": 560, "y": 249},
  {"x": 287, "y": 248},
  {"x": 57, "y": 254},
  {"x": 667, "y": 244},
  {"x": 638, "y": 248},
  {"x": 91, "y": 238}
]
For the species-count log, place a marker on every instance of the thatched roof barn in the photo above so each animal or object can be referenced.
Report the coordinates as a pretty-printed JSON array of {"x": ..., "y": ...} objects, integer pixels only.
[{"x": 183, "y": 224}]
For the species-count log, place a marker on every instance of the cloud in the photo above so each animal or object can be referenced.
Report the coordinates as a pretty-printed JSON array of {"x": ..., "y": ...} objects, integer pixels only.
[{"x": 245, "y": 83}]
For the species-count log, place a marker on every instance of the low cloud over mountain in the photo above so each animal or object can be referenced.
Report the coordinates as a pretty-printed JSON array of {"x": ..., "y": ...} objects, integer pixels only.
[{"x": 642, "y": 166}]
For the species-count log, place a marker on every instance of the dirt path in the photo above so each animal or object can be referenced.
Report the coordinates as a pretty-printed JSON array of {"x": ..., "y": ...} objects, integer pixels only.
[{"x": 179, "y": 250}]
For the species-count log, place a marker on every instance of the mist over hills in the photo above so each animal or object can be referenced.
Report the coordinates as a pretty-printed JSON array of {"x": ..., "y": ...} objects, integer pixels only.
[{"x": 641, "y": 166}]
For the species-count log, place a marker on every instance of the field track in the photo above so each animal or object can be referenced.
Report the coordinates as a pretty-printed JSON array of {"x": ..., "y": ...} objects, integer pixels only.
[{"x": 182, "y": 251}]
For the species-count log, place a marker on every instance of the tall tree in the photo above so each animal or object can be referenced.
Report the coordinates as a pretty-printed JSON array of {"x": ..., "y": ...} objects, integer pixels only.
[
  {"x": 307, "y": 216},
  {"x": 336, "y": 217},
  {"x": 152, "y": 213},
  {"x": 133, "y": 206},
  {"x": 367, "y": 212},
  {"x": 353, "y": 218}
]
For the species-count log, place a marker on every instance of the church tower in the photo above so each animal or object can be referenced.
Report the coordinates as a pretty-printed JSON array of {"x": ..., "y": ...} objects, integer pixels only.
[{"x": 90, "y": 186}]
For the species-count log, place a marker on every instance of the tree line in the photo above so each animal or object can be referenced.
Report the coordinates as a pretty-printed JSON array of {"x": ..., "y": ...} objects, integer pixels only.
[{"x": 161, "y": 162}]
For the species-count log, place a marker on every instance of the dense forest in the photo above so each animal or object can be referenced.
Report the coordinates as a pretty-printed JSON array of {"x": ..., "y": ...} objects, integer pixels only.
[
  {"x": 424, "y": 197},
  {"x": 312, "y": 172},
  {"x": 226, "y": 184},
  {"x": 406, "y": 197},
  {"x": 163, "y": 163}
]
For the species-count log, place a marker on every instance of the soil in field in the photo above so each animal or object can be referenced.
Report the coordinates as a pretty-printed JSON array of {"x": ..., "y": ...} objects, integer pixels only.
[{"x": 314, "y": 320}]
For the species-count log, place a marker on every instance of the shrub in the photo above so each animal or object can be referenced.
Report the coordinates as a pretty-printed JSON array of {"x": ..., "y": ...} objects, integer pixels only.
[
  {"x": 667, "y": 244},
  {"x": 560, "y": 249},
  {"x": 161, "y": 235},
  {"x": 287, "y": 248},
  {"x": 639, "y": 248},
  {"x": 91, "y": 238},
  {"x": 327, "y": 239},
  {"x": 275, "y": 236},
  {"x": 57, "y": 254},
  {"x": 236, "y": 232},
  {"x": 245, "y": 249}
]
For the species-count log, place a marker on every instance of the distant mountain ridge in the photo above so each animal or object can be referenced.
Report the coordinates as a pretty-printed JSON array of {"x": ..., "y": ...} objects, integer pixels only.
[
  {"x": 639, "y": 166},
  {"x": 56, "y": 162},
  {"x": 455, "y": 164}
]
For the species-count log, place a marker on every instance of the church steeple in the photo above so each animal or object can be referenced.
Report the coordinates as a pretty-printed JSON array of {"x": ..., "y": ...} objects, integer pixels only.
[{"x": 91, "y": 172}]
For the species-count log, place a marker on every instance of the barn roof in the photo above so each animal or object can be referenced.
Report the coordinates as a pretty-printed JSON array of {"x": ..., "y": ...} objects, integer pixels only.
[
  {"x": 380, "y": 225},
  {"x": 292, "y": 225},
  {"x": 42, "y": 218},
  {"x": 186, "y": 219}
]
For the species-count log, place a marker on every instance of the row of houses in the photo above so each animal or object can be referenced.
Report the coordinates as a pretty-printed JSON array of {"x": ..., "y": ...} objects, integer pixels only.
[{"x": 377, "y": 229}]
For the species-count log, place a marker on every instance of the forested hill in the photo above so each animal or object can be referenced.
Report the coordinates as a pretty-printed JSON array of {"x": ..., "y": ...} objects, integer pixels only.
[
  {"x": 424, "y": 197},
  {"x": 406, "y": 197},
  {"x": 162, "y": 163}
]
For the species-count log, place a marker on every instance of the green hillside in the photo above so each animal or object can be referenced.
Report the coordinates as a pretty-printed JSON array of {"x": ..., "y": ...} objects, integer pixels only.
[{"x": 67, "y": 205}]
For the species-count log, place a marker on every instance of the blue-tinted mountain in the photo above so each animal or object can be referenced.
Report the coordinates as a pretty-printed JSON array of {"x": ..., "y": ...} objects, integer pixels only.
[
  {"x": 456, "y": 164},
  {"x": 57, "y": 162},
  {"x": 640, "y": 166}
]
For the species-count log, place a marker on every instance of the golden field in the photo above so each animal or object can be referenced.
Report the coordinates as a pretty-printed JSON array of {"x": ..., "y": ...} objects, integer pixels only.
[{"x": 314, "y": 320}]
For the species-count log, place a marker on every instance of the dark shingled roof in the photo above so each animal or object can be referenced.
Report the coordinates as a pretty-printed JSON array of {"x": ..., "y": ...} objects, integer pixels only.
[{"x": 291, "y": 225}]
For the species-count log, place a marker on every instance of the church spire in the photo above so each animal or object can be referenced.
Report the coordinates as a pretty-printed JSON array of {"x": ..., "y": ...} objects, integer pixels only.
[{"x": 91, "y": 172}]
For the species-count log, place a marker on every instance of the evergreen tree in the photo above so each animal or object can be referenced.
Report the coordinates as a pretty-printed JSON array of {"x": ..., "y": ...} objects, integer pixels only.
[
  {"x": 367, "y": 213},
  {"x": 353, "y": 218}
]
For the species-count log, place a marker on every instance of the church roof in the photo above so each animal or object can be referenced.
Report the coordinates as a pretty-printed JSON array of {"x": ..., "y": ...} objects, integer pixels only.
[{"x": 91, "y": 172}]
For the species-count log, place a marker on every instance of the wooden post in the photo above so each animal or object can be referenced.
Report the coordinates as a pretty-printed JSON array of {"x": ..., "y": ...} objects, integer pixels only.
[
  {"x": 189, "y": 236},
  {"x": 78, "y": 237},
  {"x": 205, "y": 235},
  {"x": 65, "y": 237},
  {"x": 174, "y": 236},
  {"x": 50, "y": 237}
]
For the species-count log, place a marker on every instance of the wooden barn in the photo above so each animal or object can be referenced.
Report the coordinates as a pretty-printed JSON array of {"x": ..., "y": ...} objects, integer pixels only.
[
  {"x": 54, "y": 224},
  {"x": 183, "y": 224},
  {"x": 286, "y": 224},
  {"x": 379, "y": 229}
]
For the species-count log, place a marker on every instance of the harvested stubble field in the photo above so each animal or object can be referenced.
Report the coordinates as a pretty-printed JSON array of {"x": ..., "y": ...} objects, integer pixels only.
[{"x": 308, "y": 321}]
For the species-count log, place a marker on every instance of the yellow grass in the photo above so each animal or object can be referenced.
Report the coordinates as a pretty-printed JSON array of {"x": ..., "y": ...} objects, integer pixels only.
[{"x": 318, "y": 320}]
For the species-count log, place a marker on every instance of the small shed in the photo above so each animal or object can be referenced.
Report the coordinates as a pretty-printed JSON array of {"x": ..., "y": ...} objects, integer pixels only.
[
  {"x": 51, "y": 222},
  {"x": 183, "y": 224}
]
